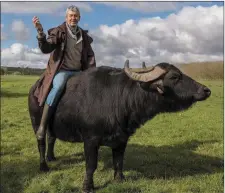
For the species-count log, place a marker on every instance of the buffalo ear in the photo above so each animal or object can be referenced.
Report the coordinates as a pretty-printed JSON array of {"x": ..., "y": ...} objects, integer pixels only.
[
  {"x": 145, "y": 85},
  {"x": 158, "y": 85},
  {"x": 154, "y": 86}
]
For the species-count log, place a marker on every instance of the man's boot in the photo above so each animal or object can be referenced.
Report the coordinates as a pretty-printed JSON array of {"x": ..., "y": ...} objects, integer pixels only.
[{"x": 47, "y": 112}]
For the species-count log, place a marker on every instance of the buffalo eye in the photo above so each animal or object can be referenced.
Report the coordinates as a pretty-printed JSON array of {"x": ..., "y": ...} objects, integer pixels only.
[
  {"x": 175, "y": 78},
  {"x": 145, "y": 85}
]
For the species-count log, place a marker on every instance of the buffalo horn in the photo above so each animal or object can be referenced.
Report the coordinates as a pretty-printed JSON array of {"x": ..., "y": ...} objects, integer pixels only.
[
  {"x": 139, "y": 70},
  {"x": 155, "y": 73},
  {"x": 143, "y": 65}
]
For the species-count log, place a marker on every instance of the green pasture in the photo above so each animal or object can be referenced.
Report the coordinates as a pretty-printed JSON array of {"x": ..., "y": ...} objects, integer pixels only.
[{"x": 173, "y": 153}]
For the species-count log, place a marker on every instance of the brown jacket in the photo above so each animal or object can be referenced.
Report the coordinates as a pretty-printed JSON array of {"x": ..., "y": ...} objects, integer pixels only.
[{"x": 55, "y": 44}]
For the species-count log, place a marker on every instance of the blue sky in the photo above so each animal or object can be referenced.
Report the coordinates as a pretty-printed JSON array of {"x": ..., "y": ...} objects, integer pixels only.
[{"x": 93, "y": 15}]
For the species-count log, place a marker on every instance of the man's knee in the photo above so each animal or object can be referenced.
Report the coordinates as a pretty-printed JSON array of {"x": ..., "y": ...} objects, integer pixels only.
[
  {"x": 59, "y": 83},
  {"x": 60, "y": 80},
  {"x": 58, "y": 87}
]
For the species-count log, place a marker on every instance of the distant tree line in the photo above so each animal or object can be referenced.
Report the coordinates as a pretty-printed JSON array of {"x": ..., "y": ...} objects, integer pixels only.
[{"x": 21, "y": 71}]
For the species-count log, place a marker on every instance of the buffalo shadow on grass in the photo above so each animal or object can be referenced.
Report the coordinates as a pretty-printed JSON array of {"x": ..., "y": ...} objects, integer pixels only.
[
  {"x": 16, "y": 176},
  {"x": 14, "y": 173},
  {"x": 163, "y": 162},
  {"x": 64, "y": 162}
]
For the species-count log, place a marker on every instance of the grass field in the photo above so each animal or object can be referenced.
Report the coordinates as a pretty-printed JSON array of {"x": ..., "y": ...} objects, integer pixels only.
[{"x": 173, "y": 153}]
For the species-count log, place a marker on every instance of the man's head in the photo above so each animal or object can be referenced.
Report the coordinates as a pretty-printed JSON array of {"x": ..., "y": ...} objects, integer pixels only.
[{"x": 72, "y": 15}]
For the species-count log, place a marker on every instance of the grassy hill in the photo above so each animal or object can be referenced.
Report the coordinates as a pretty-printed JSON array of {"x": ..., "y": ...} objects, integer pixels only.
[{"x": 203, "y": 70}]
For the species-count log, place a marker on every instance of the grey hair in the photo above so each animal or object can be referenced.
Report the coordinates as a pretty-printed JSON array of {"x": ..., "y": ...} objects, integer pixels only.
[{"x": 73, "y": 8}]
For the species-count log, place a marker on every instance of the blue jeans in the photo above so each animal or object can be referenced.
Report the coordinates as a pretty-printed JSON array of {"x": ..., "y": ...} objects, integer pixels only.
[{"x": 59, "y": 83}]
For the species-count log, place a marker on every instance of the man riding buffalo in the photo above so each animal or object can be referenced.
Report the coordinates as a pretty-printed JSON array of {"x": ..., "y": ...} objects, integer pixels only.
[{"x": 71, "y": 53}]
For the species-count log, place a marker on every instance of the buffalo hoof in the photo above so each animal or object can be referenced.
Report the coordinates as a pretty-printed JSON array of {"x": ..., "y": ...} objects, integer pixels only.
[
  {"x": 119, "y": 178},
  {"x": 51, "y": 158},
  {"x": 44, "y": 167},
  {"x": 88, "y": 191}
]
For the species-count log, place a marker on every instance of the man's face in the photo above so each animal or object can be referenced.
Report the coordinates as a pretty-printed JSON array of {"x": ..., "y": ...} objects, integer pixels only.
[{"x": 72, "y": 18}]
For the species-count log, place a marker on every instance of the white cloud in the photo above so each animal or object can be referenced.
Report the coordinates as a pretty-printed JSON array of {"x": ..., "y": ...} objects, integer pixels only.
[
  {"x": 20, "y": 31},
  {"x": 145, "y": 7},
  {"x": 22, "y": 55},
  {"x": 41, "y": 7},
  {"x": 193, "y": 34},
  {"x": 151, "y": 7},
  {"x": 58, "y": 8}
]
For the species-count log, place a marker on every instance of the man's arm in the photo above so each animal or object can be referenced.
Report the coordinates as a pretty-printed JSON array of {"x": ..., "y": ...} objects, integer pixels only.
[
  {"x": 91, "y": 58},
  {"x": 49, "y": 44},
  {"x": 91, "y": 55}
]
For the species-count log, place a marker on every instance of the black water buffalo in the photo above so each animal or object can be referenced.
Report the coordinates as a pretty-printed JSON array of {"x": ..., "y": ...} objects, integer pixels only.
[{"x": 105, "y": 105}]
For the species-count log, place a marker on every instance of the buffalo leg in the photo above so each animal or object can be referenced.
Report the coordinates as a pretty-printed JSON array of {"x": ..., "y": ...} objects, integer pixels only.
[
  {"x": 118, "y": 156},
  {"x": 51, "y": 144},
  {"x": 91, "y": 158},
  {"x": 42, "y": 149}
]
